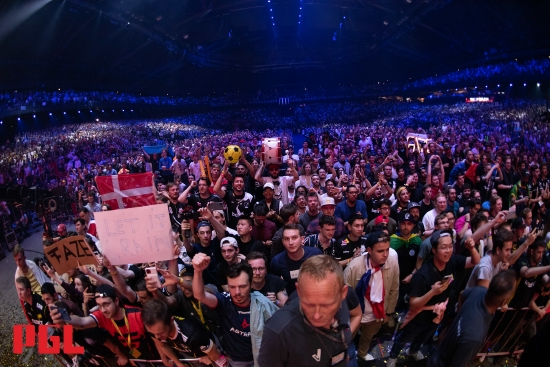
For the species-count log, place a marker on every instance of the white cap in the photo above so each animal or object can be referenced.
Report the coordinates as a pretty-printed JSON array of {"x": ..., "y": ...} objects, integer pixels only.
[{"x": 327, "y": 200}]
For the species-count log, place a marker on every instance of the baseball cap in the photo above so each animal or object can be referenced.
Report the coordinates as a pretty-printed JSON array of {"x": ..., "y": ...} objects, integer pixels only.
[
  {"x": 229, "y": 241},
  {"x": 381, "y": 219},
  {"x": 327, "y": 201},
  {"x": 61, "y": 227},
  {"x": 105, "y": 290},
  {"x": 412, "y": 204},
  {"x": 437, "y": 235},
  {"x": 525, "y": 172},
  {"x": 203, "y": 224},
  {"x": 518, "y": 223},
  {"x": 376, "y": 237},
  {"x": 405, "y": 216},
  {"x": 269, "y": 185}
]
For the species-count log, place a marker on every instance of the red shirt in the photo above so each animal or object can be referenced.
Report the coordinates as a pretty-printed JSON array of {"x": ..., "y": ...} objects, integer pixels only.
[{"x": 137, "y": 329}]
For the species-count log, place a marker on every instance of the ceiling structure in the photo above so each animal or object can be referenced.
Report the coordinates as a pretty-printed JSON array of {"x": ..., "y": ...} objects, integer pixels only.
[{"x": 180, "y": 46}]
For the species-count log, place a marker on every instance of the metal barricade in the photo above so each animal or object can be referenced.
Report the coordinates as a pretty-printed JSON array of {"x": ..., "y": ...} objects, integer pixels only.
[{"x": 510, "y": 331}]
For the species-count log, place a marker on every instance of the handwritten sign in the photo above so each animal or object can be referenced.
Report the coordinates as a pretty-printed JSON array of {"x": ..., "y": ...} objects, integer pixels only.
[
  {"x": 135, "y": 235},
  {"x": 68, "y": 253}
]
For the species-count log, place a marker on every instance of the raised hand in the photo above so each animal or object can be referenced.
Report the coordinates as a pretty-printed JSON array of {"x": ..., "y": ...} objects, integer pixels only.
[
  {"x": 200, "y": 262},
  {"x": 469, "y": 243},
  {"x": 169, "y": 278},
  {"x": 205, "y": 213}
]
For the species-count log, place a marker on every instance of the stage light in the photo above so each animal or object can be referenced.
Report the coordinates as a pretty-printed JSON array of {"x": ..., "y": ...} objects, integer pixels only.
[
  {"x": 19, "y": 119},
  {"x": 271, "y": 17},
  {"x": 101, "y": 111},
  {"x": 498, "y": 85},
  {"x": 486, "y": 86},
  {"x": 113, "y": 110},
  {"x": 270, "y": 9},
  {"x": 273, "y": 23},
  {"x": 538, "y": 84},
  {"x": 122, "y": 110},
  {"x": 33, "y": 116},
  {"x": 78, "y": 111},
  {"x": 50, "y": 113},
  {"x": 510, "y": 84},
  {"x": 1, "y": 122},
  {"x": 64, "y": 113},
  {"x": 131, "y": 110},
  {"x": 524, "y": 84}
]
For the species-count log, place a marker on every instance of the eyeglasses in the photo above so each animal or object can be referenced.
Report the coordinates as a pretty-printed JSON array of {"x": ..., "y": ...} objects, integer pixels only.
[{"x": 258, "y": 270}]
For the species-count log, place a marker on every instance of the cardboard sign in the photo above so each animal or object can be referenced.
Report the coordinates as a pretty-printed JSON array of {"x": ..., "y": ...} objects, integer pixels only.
[
  {"x": 68, "y": 253},
  {"x": 136, "y": 235}
]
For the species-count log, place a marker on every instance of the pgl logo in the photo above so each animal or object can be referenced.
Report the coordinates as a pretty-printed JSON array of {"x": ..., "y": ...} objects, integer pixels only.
[{"x": 45, "y": 346}]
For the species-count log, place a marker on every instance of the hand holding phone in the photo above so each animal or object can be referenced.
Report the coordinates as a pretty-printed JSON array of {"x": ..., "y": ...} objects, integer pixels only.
[
  {"x": 63, "y": 312},
  {"x": 152, "y": 274}
]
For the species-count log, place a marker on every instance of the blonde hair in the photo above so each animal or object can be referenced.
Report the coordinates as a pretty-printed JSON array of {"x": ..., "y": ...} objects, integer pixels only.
[{"x": 319, "y": 266}]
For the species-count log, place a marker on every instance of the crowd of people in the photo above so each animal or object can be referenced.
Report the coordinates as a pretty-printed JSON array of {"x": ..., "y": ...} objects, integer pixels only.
[
  {"x": 15, "y": 100},
  {"x": 306, "y": 261},
  {"x": 529, "y": 68}
]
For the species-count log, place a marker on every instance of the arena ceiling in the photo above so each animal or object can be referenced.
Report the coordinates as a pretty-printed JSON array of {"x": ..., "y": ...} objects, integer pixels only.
[{"x": 177, "y": 46}]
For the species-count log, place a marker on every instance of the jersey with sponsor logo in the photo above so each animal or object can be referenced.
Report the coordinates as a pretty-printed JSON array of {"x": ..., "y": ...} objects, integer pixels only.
[{"x": 235, "y": 328}]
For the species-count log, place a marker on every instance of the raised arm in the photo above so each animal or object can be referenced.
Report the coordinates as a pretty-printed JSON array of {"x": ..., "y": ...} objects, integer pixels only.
[
  {"x": 119, "y": 281},
  {"x": 258, "y": 174},
  {"x": 218, "y": 186},
  {"x": 183, "y": 197},
  {"x": 78, "y": 322},
  {"x": 206, "y": 214},
  {"x": 200, "y": 263}
]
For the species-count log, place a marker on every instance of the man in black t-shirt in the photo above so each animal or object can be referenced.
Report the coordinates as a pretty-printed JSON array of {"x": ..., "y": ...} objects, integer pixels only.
[
  {"x": 352, "y": 245},
  {"x": 429, "y": 288},
  {"x": 528, "y": 269},
  {"x": 467, "y": 334},
  {"x": 300, "y": 335},
  {"x": 269, "y": 285},
  {"x": 35, "y": 308},
  {"x": 176, "y": 337},
  {"x": 207, "y": 246},
  {"x": 239, "y": 202},
  {"x": 245, "y": 241},
  {"x": 200, "y": 200}
]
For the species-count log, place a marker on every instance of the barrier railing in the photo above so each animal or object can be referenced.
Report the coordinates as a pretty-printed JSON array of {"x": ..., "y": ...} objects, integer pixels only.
[{"x": 510, "y": 331}]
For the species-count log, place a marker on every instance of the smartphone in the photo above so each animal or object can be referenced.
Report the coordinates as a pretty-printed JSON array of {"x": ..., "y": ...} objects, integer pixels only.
[
  {"x": 64, "y": 314},
  {"x": 215, "y": 206},
  {"x": 447, "y": 279},
  {"x": 154, "y": 275},
  {"x": 510, "y": 215}
]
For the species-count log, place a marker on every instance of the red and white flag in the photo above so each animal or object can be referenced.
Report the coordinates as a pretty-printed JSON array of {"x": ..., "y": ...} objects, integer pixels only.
[{"x": 127, "y": 191}]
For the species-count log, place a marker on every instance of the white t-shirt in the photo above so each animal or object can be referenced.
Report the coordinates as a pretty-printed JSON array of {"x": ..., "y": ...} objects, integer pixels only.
[{"x": 484, "y": 270}]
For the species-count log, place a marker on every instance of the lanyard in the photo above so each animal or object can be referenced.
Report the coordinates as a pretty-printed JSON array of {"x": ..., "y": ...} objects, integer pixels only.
[
  {"x": 199, "y": 311},
  {"x": 127, "y": 328}
]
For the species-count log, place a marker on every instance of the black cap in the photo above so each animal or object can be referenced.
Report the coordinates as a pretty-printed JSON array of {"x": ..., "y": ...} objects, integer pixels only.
[
  {"x": 405, "y": 216},
  {"x": 412, "y": 204},
  {"x": 105, "y": 290},
  {"x": 376, "y": 237}
]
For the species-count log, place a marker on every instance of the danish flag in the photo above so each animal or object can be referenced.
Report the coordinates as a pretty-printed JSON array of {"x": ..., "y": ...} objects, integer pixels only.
[{"x": 127, "y": 191}]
